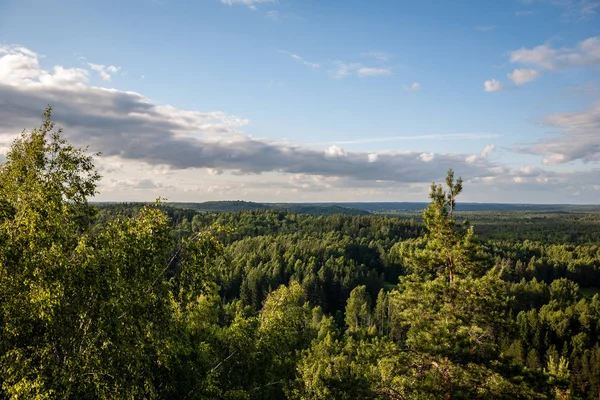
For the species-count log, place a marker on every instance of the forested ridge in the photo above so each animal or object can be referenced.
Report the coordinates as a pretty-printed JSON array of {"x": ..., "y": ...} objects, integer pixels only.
[{"x": 151, "y": 301}]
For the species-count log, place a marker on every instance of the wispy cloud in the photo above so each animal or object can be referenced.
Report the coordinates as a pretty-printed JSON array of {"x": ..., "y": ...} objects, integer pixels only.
[
  {"x": 369, "y": 71},
  {"x": 523, "y": 13},
  {"x": 443, "y": 136},
  {"x": 273, "y": 15},
  {"x": 249, "y": 3},
  {"x": 377, "y": 55},
  {"x": 577, "y": 9},
  {"x": 344, "y": 70},
  {"x": 300, "y": 59}
]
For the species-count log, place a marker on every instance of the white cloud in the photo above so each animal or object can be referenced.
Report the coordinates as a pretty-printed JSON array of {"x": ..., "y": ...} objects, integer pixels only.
[
  {"x": 487, "y": 150},
  {"x": 492, "y": 85},
  {"x": 141, "y": 141},
  {"x": 522, "y": 76},
  {"x": 130, "y": 127},
  {"x": 139, "y": 184},
  {"x": 587, "y": 52},
  {"x": 273, "y": 15},
  {"x": 377, "y": 55},
  {"x": 472, "y": 158},
  {"x": 19, "y": 66},
  {"x": 214, "y": 172},
  {"x": 427, "y": 157},
  {"x": 343, "y": 70},
  {"x": 366, "y": 71},
  {"x": 249, "y": 3},
  {"x": 577, "y": 137},
  {"x": 334, "y": 152},
  {"x": 413, "y": 87},
  {"x": 572, "y": 9},
  {"x": 105, "y": 72},
  {"x": 300, "y": 59},
  {"x": 480, "y": 157},
  {"x": 442, "y": 136}
]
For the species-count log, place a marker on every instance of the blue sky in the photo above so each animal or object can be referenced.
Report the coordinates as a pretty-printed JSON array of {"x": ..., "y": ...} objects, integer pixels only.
[{"x": 307, "y": 100}]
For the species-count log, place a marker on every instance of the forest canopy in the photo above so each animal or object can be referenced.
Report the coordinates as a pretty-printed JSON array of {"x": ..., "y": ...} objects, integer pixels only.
[{"x": 149, "y": 301}]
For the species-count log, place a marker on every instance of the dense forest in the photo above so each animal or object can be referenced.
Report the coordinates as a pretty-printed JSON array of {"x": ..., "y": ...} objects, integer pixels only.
[{"x": 154, "y": 301}]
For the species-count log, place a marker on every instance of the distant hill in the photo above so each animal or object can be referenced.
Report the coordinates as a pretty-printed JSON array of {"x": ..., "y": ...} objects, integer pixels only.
[
  {"x": 299, "y": 208},
  {"x": 320, "y": 209},
  {"x": 223, "y": 206},
  {"x": 365, "y": 208},
  {"x": 390, "y": 207}
]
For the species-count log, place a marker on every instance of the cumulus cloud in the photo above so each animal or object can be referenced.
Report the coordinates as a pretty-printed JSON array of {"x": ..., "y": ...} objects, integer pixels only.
[
  {"x": 587, "y": 52},
  {"x": 104, "y": 71},
  {"x": 129, "y": 126},
  {"x": 492, "y": 85},
  {"x": 479, "y": 157},
  {"x": 522, "y": 76},
  {"x": 139, "y": 184},
  {"x": 139, "y": 138},
  {"x": 426, "y": 157},
  {"x": 577, "y": 137},
  {"x": 335, "y": 152}
]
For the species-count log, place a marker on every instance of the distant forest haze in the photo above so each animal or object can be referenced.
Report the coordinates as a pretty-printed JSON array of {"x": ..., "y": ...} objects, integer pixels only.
[{"x": 172, "y": 301}]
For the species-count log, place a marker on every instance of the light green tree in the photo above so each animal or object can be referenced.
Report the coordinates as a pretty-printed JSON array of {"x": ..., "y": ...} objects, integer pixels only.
[
  {"x": 359, "y": 318},
  {"x": 87, "y": 315}
]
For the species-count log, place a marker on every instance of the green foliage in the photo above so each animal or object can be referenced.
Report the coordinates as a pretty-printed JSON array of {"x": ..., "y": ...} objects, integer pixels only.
[
  {"x": 358, "y": 312},
  {"x": 150, "y": 301},
  {"x": 447, "y": 249},
  {"x": 84, "y": 314}
]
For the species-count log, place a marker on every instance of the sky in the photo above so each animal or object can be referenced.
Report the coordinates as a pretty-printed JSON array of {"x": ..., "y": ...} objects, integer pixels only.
[{"x": 312, "y": 100}]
